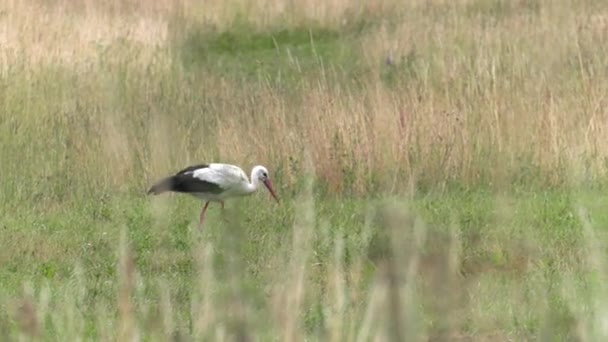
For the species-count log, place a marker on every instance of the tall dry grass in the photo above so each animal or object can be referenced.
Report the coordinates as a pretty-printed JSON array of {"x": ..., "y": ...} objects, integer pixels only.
[{"x": 483, "y": 93}]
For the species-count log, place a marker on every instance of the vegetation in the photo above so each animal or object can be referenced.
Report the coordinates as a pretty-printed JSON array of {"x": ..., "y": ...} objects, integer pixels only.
[{"x": 441, "y": 165}]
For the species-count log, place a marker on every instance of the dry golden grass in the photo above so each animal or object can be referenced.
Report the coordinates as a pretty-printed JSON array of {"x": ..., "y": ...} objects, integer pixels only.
[{"x": 488, "y": 97}]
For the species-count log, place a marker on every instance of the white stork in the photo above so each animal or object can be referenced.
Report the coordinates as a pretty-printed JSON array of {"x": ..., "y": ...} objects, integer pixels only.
[{"x": 214, "y": 182}]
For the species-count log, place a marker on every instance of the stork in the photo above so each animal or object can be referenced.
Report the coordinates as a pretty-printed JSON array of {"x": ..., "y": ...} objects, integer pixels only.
[{"x": 214, "y": 182}]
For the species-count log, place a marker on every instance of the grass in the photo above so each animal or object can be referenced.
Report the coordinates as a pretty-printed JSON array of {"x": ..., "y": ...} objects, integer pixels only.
[{"x": 441, "y": 168}]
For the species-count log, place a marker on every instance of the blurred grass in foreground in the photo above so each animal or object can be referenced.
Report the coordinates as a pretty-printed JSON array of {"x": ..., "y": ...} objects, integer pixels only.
[{"x": 447, "y": 266}]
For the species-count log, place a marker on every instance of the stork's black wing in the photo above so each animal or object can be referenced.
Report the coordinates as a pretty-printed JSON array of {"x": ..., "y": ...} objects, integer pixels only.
[{"x": 185, "y": 182}]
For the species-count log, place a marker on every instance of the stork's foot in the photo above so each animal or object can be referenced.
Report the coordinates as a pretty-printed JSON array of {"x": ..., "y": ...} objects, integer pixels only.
[{"x": 224, "y": 214}]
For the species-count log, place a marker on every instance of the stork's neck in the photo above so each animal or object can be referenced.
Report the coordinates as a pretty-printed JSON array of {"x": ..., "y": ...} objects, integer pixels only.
[{"x": 252, "y": 186}]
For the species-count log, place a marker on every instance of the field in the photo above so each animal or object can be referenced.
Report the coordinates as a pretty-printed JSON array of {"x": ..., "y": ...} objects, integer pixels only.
[{"x": 442, "y": 168}]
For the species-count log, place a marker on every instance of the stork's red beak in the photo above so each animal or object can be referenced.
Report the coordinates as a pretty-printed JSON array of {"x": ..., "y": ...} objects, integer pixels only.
[{"x": 269, "y": 186}]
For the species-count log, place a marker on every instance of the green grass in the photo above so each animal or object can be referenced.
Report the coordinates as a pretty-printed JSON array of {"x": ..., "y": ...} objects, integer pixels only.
[
  {"x": 515, "y": 255},
  {"x": 456, "y": 192}
]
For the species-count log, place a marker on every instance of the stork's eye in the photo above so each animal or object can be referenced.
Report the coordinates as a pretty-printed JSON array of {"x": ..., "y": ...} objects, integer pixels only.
[{"x": 264, "y": 174}]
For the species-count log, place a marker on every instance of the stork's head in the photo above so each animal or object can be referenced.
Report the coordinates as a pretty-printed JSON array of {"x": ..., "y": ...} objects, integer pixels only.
[{"x": 260, "y": 174}]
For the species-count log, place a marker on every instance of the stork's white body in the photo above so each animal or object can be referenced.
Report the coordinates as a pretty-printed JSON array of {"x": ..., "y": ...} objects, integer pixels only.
[{"x": 231, "y": 178}]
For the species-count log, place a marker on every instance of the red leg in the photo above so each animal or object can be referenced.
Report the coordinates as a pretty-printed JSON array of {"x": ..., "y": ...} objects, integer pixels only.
[
  {"x": 223, "y": 215},
  {"x": 203, "y": 214}
]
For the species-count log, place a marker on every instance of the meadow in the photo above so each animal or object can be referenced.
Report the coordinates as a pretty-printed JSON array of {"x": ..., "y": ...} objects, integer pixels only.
[{"x": 442, "y": 169}]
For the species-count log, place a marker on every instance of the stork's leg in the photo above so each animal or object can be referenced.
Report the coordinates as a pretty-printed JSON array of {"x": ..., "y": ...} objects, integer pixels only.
[
  {"x": 223, "y": 212},
  {"x": 203, "y": 214}
]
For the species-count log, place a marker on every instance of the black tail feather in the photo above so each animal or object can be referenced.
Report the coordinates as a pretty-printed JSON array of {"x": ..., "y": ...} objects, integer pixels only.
[{"x": 167, "y": 184}]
